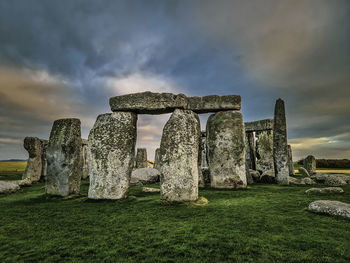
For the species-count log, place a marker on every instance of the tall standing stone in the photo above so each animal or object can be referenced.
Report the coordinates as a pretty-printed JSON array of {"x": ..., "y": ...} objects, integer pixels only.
[
  {"x": 280, "y": 151},
  {"x": 85, "y": 159},
  {"x": 226, "y": 147},
  {"x": 310, "y": 164},
  {"x": 202, "y": 159},
  {"x": 64, "y": 162},
  {"x": 44, "y": 144},
  {"x": 32, "y": 172},
  {"x": 290, "y": 160},
  {"x": 141, "y": 158},
  {"x": 156, "y": 159},
  {"x": 264, "y": 151},
  {"x": 250, "y": 150},
  {"x": 179, "y": 157},
  {"x": 111, "y": 151}
]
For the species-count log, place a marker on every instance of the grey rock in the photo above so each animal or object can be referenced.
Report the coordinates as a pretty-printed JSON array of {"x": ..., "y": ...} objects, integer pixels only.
[
  {"x": 179, "y": 151},
  {"x": 202, "y": 159},
  {"x": 44, "y": 144},
  {"x": 310, "y": 164},
  {"x": 334, "y": 180},
  {"x": 214, "y": 103},
  {"x": 268, "y": 177},
  {"x": 261, "y": 125},
  {"x": 255, "y": 175},
  {"x": 226, "y": 148},
  {"x": 144, "y": 176},
  {"x": 250, "y": 154},
  {"x": 64, "y": 162},
  {"x": 84, "y": 156},
  {"x": 250, "y": 179},
  {"x": 148, "y": 102},
  {"x": 8, "y": 187},
  {"x": 156, "y": 159},
  {"x": 111, "y": 154},
  {"x": 150, "y": 190},
  {"x": 332, "y": 208},
  {"x": 308, "y": 181},
  {"x": 295, "y": 181},
  {"x": 264, "y": 151},
  {"x": 141, "y": 158},
  {"x": 290, "y": 160},
  {"x": 34, "y": 164},
  {"x": 304, "y": 172},
  {"x": 326, "y": 190},
  {"x": 280, "y": 151}
]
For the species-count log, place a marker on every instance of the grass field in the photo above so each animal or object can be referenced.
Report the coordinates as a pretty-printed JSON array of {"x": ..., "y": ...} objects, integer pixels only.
[{"x": 12, "y": 170}]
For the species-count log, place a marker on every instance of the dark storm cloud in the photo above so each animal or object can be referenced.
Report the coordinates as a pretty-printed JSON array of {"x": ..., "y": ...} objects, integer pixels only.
[{"x": 66, "y": 58}]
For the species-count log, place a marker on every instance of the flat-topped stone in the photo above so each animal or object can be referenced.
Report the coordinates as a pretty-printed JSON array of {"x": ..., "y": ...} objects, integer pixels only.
[
  {"x": 148, "y": 102},
  {"x": 333, "y": 208},
  {"x": 214, "y": 103},
  {"x": 326, "y": 190},
  {"x": 261, "y": 125},
  {"x": 158, "y": 103}
]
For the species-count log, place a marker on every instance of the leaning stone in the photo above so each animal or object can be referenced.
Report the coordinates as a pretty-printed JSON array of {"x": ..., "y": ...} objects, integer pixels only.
[
  {"x": 226, "y": 150},
  {"x": 290, "y": 160},
  {"x": 156, "y": 159},
  {"x": 64, "y": 162},
  {"x": 214, "y": 103},
  {"x": 332, "y": 208},
  {"x": 261, "y": 125},
  {"x": 179, "y": 151},
  {"x": 310, "y": 164},
  {"x": 144, "y": 176},
  {"x": 141, "y": 158},
  {"x": 34, "y": 164},
  {"x": 304, "y": 172},
  {"x": 326, "y": 190},
  {"x": 111, "y": 151},
  {"x": 334, "y": 180},
  {"x": 268, "y": 177},
  {"x": 8, "y": 187},
  {"x": 148, "y": 102},
  {"x": 150, "y": 190},
  {"x": 280, "y": 151}
]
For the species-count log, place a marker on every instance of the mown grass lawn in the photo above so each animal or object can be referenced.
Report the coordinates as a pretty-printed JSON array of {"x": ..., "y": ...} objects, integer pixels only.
[
  {"x": 265, "y": 223},
  {"x": 12, "y": 170}
]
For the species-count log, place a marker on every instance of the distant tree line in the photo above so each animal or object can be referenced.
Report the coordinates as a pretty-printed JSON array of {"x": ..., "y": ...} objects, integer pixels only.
[{"x": 330, "y": 163}]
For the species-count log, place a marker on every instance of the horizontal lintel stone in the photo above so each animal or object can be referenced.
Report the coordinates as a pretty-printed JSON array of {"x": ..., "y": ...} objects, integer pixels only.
[{"x": 261, "y": 125}]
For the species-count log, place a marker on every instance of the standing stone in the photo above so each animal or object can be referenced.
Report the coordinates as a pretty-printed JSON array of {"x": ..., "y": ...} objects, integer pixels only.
[
  {"x": 179, "y": 151},
  {"x": 290, "y": 160},
  {"x": 202, "y": 159},
  {"x": 44, "y": 144},
  {"x": 250, "y": 150},
  {"x": 111, "y": 153},
  {"x": 264, "y": 151},
  {"x": 85, "y": 159},
  {"x": 226, "y": 148},
  {"x": 156, "y": 159},
  {"x": 141, "y": 158},
  {"x": 280, "y": 151},
  {"x": 34, "y": 165},
  {"x": 310, "y": 164},
  {"x": 64, "y": 162}
]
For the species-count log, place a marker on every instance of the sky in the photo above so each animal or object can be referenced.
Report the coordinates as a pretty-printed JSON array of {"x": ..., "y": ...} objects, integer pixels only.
[{"x": 62, "y": 59}]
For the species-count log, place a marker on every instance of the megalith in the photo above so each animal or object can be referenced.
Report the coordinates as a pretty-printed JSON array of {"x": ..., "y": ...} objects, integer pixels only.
[
  {"x": 202, "y": 159},
  {"x": 226, "y": 150},
  {"x": 264, "y": 151},
  {"x": 280, "y": 151},
  {"x": 141, "y": 158},
  {"x": 85, "y": 159},
  {"x": 111, "y": 154},
  {"x": 179, "y": 151},
  {"x": 156, "y": 159},
  {"x": 250, "y": 150},
  {"x": 34, "y": 147},
  {"x": 290, "y": 160},
  {"x": 44, "y": 144},
  {"x": 310, "y": 164},
  {"x": 64, "y": 162}
]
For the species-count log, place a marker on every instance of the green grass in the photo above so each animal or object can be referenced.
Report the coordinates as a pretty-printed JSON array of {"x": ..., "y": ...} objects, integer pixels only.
[
  {"x": 12, "y": 170},
  {"x": 265, "y": 223}
]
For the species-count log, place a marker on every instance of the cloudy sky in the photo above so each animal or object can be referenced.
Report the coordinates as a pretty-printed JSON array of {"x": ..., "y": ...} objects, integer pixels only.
[{"x": 66, "y": 58}]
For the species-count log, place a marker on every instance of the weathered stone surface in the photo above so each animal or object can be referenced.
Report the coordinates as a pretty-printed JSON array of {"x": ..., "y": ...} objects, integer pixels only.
[
  {"x": 326, "y": 190},
  {"x": 332, "y": 208},
  {"x": 226, "y": 148},
  {"x": 156, "y": 159},
  {"x": 64, "y": 162},
  {"x": 214, "y": 103},
  {"x": 334, "y": 180},
  {"x": 268, "y": 177},
  {"x": 179, "y": 151},
  {"x": 144, "y": 176},
  {"x": 304, "y": 172},
  {"x": 261, "y": 125},
  {"x": 310, "y": 164},
  {"x": 85, "y": 173},
  {"x": 250, "y": 154},
  {"x": 264, "y": 151},
  {"x": 44, "y": 144},
  {"x": 255, "y": 175},
  {"x": 308, "y": 181},
  {"x": 250, "y": 179},
  {"x": 141, "y": 158},
  {"x": 280, "y": 151},
  {"x": 202, "y": 158},
  {"x": 34, "y": 164},
  {"x": 111, "y": 153},
  {"x": 302, "y": 181},
  {"x": 8, "y": 187},
  {"x": 290, "y": 160},
  {"x": 150, "y": 190},
  {"x": 148, "y": 102}
]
